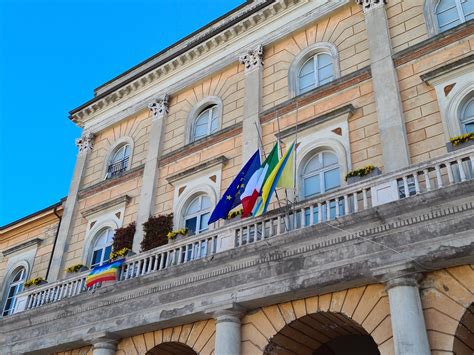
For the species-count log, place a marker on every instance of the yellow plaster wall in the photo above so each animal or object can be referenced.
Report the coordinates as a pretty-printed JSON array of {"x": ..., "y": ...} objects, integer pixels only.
[
  {"x": 424, "y": 127},
  {"x": 136, "y": 127},
  {"x": 344, "y": 28},
  {"x": 227, "y": 84},
  {"x": 406, "y": 23}
]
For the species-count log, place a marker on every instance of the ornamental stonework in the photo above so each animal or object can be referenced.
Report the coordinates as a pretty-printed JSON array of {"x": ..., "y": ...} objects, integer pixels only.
[
  {"x": 369, "y": 5},
  {"x": 159, "y": 107},
  {"x": 85, "y": 143},
  {"x": 253, "y": 58}
]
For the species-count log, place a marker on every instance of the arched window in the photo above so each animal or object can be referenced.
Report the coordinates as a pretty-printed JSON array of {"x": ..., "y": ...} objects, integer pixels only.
[
  {"x": 15, "y": 286},
  {"x": 102, "y": 247},
  {"x": 320, "y": 174},
  {"x": 197, "y": 214},
  {"x": 206, "y": 123},
  {"x": 316, "y": 71},
  {"x": 467, "y": 116},
  {"x": 119, "y": 161},
  {"x": 451, "y": 13}
]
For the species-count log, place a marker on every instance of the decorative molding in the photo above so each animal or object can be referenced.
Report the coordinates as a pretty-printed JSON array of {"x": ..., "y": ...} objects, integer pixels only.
[
  {"x": 448, "y": 68},
  {"x": 104, "y": 206},
  {"x": 252, "y": 59},
  {"x": 197, "y": 168},
  {"x": 202, "y": 143},
  {"x": 159, "y": 107},
  {"x": 263, "y": 258},
  {"x": 318, "y": 93},
  {"x": 369, "y": 5},
  {"x": 18, "y": 247},
  {"x": 344, "y": 110},
  {"x": 85, "y": 143}
]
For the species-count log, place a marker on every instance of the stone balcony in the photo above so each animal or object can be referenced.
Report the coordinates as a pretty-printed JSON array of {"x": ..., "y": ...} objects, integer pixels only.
[{"x": 417, "y": 219}]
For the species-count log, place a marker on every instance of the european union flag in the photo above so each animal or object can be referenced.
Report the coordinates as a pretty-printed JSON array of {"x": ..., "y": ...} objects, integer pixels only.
[{"x": 231, "y": 198}]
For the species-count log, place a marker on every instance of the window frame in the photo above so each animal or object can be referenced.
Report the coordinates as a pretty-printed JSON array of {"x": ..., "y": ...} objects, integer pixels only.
[
  {"x": 10, "y": 284},
  {"x": 196, "y": 112},
  {"x": 463, "y": 121},
  {"x": 321, "y": 172},
  {"x": 98, "y": 235},
  {"x": 198, "y": 215},
  {"x": 316, "y": 71},
  {"x": 431, "y": 16},
  {"x": 211, "y": 110}
]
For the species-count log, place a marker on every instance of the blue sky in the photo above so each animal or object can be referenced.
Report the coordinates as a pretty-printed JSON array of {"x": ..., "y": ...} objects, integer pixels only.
[{"x": 52, "y": 56}]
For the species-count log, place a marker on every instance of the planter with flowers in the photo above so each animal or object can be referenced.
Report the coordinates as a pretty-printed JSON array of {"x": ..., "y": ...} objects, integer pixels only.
[
  {"x": 176, "y": 235},
  {"x": 76, "y": 269},
  {"x": 122, "y": 253},
  {"x": 362, "y": 174},
  {"x": 37, "y": 281},
  {"x": 233, "y": 216},
  {"x": 460, "y": 142}
]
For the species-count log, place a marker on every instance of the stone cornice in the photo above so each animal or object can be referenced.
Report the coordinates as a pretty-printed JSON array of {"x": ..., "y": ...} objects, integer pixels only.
[
  {"x": 221, "y": 160},
  {"x": 344, "y": 110},
  {"x": 448, "y": 68},
  {"x": 18, "y": 247},
  {"x": 300, "y": 101},
  {"x": 114, "y": 202},
  {"x": 262, "y": 10},
  {"x": 434, "y": 43}
]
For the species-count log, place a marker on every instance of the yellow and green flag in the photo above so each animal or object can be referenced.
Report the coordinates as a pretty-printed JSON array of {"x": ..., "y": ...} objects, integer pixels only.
[{"x": 281, "y": 176}]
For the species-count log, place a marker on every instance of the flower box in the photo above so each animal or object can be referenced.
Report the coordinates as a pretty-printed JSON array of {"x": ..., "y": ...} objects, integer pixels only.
[
  {"x": 452, "y": 147},
  {"x": 76, "y": 269},
  {"x": 35, "y": 282},
  {"x": 363, "y": 176}
]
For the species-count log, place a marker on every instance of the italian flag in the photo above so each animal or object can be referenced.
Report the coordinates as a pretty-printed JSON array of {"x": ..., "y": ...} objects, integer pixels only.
[{"x": 253, "y": 188}]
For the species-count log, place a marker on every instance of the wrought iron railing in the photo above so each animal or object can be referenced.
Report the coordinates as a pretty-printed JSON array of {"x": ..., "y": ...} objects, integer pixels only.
[{"x": 117, "y": 168}]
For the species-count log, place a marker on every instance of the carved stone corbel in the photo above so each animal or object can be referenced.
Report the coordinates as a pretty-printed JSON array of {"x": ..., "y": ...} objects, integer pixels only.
[
  {"x": 159, "y": 107},
  {"x": 368, "y": 5},
  {"x": 253, "y": 58},
  {"x": 85, "y": 143}
]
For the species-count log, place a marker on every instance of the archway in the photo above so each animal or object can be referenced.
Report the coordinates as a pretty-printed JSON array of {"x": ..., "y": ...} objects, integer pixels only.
[
  {"x": 322, "y": 333},
  {"x": 171, "y": 348},
  {"x": 464, "y": 339}
]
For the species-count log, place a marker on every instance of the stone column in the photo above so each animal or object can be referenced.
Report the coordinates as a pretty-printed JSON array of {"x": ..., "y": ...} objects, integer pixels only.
[
  {"x": 408, "y": 323},
  {"x": 104, "y": 346},
  {"x": 227, "y": 332},
  {"x": 159, "y": 109},
  {"x": 387, "y": 92},
  {"x": 84, "y": 144},
  {"x": 253, "y": 62}
]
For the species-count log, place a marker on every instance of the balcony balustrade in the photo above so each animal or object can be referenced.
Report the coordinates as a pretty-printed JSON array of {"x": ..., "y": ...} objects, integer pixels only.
[
  {"x": 432, "y": 175},
  {"x": 117, "y": 168}
]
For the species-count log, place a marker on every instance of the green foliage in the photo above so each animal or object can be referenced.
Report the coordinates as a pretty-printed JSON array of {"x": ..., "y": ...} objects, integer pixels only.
[
  {"x": 74, "y": 268},
  {"x": 173, "y": 234},
  {"x": 34, "y": 282}
]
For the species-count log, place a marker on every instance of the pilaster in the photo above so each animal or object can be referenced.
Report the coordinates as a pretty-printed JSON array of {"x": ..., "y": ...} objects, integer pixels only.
[
  {"x": 84, "y": 144},
  {"x": 408, "y": 323},
  {"x": 159, "y": 110},
  {"x": 387, "y": 92},
  {"x": 251, "y": 131}
]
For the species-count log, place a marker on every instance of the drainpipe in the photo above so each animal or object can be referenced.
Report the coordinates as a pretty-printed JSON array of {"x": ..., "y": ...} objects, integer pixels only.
[{"x": 55, "y": 239}]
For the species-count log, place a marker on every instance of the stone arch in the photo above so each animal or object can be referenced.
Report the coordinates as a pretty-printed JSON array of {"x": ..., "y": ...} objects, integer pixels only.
[
  {"x": 367, "y": 307},
  {"x": 446, "y": 297},
  {"x": 463, "y": 338},
  {"x": 171, "y": 348},
  {"x": 198, "y": 336}
]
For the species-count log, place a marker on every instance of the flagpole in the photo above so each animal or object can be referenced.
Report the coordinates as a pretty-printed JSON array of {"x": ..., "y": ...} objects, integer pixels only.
[
  {"x": 265, "y": 156},
  {"x": 294, "y": 168}
]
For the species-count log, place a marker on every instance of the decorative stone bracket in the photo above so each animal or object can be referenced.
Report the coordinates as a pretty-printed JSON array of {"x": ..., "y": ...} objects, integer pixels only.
[
  {"x": 369, "y": 5},
  {"x": 253, "y": 58},
  {"x": 85, "y": 143},
  {"x": 159, "y": 107}
]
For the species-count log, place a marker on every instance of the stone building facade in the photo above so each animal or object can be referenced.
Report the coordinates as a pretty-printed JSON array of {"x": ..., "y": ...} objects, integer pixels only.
[{"x": 382, "y": 265}]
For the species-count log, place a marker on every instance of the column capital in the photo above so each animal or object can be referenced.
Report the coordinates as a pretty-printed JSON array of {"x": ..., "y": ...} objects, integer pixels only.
[
  {"x": 159, "y": 107},
  {"x": 253, "y": 58},
  {"x": 85, "y": 143},
  {"x": 369, "y": 5},
  {"x": 411, "y": 280},
  {"x": 103, "y": 340}
]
